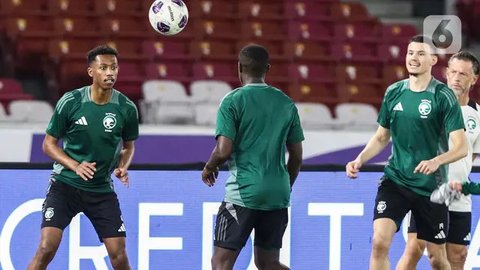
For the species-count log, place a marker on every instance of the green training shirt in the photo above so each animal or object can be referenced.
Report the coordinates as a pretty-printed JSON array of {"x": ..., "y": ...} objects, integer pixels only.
[
  {"x": 419, "y": 123},
  {"x": 92, "y": 133},
  {"x": 260, "y": 120}
]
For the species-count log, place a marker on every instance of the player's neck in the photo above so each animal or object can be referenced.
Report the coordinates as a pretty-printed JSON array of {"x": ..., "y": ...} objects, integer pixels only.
[
  {"x": 99, "y": 95},
  {"x": 419, "y": 83},
  {"x": 253, "y": 80}
]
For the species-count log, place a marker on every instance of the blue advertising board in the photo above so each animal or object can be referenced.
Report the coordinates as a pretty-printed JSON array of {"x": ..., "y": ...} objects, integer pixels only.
[{"x": 170, "y": 216}]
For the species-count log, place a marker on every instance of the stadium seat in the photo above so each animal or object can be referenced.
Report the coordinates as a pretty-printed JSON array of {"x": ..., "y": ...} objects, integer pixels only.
[
  {"x": 209, "y": 91},
  {"x": 24, "y": 7},
  {"x": 11, "y": 89},
  {"x": 358, "y": 32},
  {"x": 216, "y": 70},
  {"x": 4, "y": 117},
  {"x": 171, "y": 70},
  {"x": 119, "y": 7},
  {"x": 440, "y": 72},
  {"x": 354, "y": 52},
  {"x": 30, "y": 111},
  {"x": 310, "y": 72},
  {"x": 350, "y": 11},
  {"x": 361, "y": 93},
  {"x": 359, "y": 116},
  {"x": 359, "y": 73},
  {"x": 213, "y": 50},
  {"x": 276, "y": 50},
  {"x": 249, "y": 9},
  {"x": 309, "y": 51},
  {"x": 310, "y": 31},
  {"x": 313, "y": 92},
  {"x": 212, "y": 9},
  {"x": 38, "y": 27},
  {"x": 78, "y": 27},
  {"x": 71, "y": 7},
  {"x": 315, "y": 116},
  {"x": 205, "y": 114},
  {"x": 393, "y": 72},
  {"x": 263, "y": 30},
  {"x": 309, "y": 10},
  {"x": 163, "y": 49},
  {"x": 398, "y": 32},
  {"x": 128, "y": 49},
  {"x": 215, "y": 28},
  {"x": 393, "y": 52},
  {"x": 125, "y": 27},
  {"x": 70, "y": 48},
  {"x": 166, "y": 102}
]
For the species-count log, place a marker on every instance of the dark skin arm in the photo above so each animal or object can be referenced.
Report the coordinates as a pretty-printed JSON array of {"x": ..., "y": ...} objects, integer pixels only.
[
  {"x": 126, "y": 156},
  {"x": 220, "y": 154},
  {"x": 84, "y": 169},
  {"x": 294, "y": 162}
]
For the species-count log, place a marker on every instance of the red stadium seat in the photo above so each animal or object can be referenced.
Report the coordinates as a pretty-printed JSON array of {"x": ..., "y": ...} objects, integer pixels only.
[
  {"x": 309, "y": 72},
  {"x": 24, "y": 7},
  {"x": 360, "y": 31},
  {"x": 359, "y": 73},
  {"x": 76, "y": 26},
  {"x": 59, "y": 49},
  {"x": 215, "y": 50},
  {"x": 263, "y": 30},
  {"x": 215, "y": 29},
  {"x": 393, "y": 72},
  {"x": 211, "y": 70},
  {"x": 71, "y": 7},
  {"x": 128, "y": 49},
  {"x": 354, "y": 52},
  {"x": 166, "y": 49},
  {"x": 314, "y": 31},
  {"x": 125, "y": 27},
  {"x": 119, "y": 7},
  {"x": 11, "y": 89},
  {"x": 398, "y": 32},
  {"x": 361, "y": 93},
  {"x": 350, "y": 11},
  {"x": 313, "y": 92},
  {"x": 393, "y": 52},
  {"x": 169, "y": 70},
  {"x": 208, "y": 9},
  {"x": 309, "y": 51},
  {"x": 276, "y": 50},
  {"x": 309, "y": 10},
  {"x": 261, "y": 10}
]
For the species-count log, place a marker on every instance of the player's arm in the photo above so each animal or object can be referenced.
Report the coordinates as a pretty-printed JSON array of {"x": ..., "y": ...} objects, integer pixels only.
[
  {"x": 458, "y": 150},
  {"x": 295, "y": 152},
  {"x": 126, "y": 156},
  {"x": 374, "y": 146},
  {"x": 222, "y": 151},
  {"x": 50, "y": 147}
]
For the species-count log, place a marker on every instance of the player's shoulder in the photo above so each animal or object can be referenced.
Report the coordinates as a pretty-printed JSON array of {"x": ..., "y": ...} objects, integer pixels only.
[
  {"x": 123, "y": 100},
  {"x": 396, "y": 88},
  {"x": 70, "y": 98},
  {"x": 442, "y": 91}
]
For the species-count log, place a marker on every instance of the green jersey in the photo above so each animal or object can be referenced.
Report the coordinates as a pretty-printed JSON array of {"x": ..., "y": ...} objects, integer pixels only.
[
  {"x": 92, "y": 133},
  {"x": 260, "y": 120},
  {"x": 419, "y": 123}
]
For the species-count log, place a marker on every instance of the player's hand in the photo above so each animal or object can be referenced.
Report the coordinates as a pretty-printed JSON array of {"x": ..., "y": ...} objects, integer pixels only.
[
  {"x": 352, "y": 168},
  {"x": 427, "y": 166},
  {"x": 209, "y": 176},
  {"x": 122, "y": 175},
  {"x": 455, "y": 185},
  {"x": 86, "y": 170}
]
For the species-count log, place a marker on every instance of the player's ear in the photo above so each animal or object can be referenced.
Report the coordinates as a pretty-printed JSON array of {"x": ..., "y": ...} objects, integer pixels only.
[
  {"x": 434, "y": 59},
  {"x": 90, "y": 71},
  {"x": 240, "y": 68}
]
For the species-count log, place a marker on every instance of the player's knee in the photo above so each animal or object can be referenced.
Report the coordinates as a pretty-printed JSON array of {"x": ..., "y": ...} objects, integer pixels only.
[
  {"x": 379, "y": 247},
  {"x": 119, "y": 260},
  {"x": 437, "y": 262},
  {"x": 457, "y": 259},
  {"x": 45, "y": 253}
]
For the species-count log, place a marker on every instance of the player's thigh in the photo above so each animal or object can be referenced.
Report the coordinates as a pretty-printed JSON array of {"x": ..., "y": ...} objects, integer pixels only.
[
  {"x": 233, "y": 226},
  {"x": 459, "y": 230},
  {"x": 392, "y": 202},
  {"x": 60, "y": 205},
  {"x": 270, "y": 227},
  {"x": 103, "y": 210},
  {"x": 431, "y": 220}
]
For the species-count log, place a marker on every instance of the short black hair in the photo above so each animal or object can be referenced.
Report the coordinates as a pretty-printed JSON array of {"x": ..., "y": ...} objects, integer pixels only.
[
  {"x": 469, "y": 57},
  {"x": 100, "y": 50},
  {"x": 254, "y": 60},
  {"x": 424, "y": 39}
]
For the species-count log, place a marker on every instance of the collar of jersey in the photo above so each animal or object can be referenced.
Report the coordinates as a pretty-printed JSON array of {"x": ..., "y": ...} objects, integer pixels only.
[{"x": 256, "y": 84}]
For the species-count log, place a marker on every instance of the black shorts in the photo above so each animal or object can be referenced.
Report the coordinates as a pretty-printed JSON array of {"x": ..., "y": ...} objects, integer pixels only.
[
  {"x": 63, "y": 202},
  {"x": 394, "y": 201},
  {"x": 459, "y": 227},
  {"x": 235, "y": 223}
]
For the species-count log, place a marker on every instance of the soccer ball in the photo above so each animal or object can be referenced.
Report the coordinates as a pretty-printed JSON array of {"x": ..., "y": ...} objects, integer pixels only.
[{"x": 168, "y": 17}]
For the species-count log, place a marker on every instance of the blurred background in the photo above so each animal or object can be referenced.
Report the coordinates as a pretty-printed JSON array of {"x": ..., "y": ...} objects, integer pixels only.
[{"x": 333, "y": 58}]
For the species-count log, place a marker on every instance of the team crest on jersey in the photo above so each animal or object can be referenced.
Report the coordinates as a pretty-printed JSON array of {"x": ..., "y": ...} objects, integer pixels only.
[
  {"x": 425, "y": 108},
  {"x": 381, "y": 206},
  {"x": 471, "y": 124},
  {"x": 109, "y": 122}
]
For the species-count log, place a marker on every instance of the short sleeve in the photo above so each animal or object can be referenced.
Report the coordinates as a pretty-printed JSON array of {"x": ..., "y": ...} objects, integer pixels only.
[
  {"x": 384, "y": 114},
  {"x": 57, "y": 127},
  {"x": 295, "y": 134},
  {"x": 226, "y": 118},
  {"x": 130, "y": 131},
  {"x": 452, "y": 116}
]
